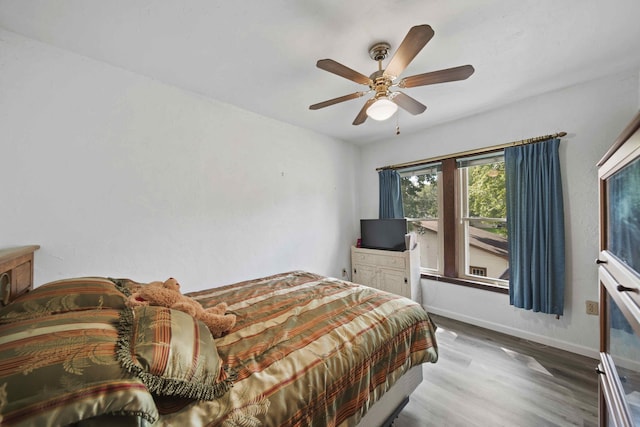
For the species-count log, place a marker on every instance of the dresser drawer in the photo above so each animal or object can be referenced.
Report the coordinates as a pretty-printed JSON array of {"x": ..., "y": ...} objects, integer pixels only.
[
  {"x": 390, "y": 261},
  {"x": 365, "y": 258}
]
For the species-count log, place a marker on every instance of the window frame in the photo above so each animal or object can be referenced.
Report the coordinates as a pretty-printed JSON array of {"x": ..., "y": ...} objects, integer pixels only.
[
  {"x": 464, "y": 221},
  {"x": 450, "y": 235}
]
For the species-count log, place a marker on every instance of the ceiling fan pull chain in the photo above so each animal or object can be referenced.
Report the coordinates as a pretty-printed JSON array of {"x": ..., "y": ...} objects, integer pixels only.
[{"x": 398, "y": 123}]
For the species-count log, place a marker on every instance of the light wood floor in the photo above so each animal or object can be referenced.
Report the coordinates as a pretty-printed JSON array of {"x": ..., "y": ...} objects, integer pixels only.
[{"x": 484, "y": 378}]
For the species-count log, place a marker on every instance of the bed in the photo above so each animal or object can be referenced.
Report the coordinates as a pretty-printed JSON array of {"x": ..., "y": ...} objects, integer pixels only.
[{"x": 306, "y": 350}]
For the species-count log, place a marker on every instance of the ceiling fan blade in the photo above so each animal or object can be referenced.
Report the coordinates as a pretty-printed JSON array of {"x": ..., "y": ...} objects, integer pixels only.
[
  {"x": 408, "y": 103},
  {"x": 414, "y": 41},
  {"x": 337, "y": 100},
  {"x": 362, "y": 115},
  {"x": 440, "y": 76},
  {"x": 343, "y": 71}
]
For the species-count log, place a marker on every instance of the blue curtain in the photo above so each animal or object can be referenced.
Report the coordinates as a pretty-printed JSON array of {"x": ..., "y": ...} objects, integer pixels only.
[
  {"x": 535, "y": 222},
  {"x": 390, "y": 194}
]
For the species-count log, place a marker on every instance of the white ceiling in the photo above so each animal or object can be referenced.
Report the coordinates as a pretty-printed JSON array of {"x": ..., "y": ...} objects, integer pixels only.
[{"x": 260, "y": 55}]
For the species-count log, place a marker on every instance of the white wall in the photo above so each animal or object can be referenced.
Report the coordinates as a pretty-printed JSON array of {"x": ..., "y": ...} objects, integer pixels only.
[
  {"x": 593, "y": 114},
  {"x": 115, "y": 174}
]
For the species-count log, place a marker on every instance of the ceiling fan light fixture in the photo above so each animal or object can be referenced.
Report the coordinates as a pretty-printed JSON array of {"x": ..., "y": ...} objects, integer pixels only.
[{"x": 382, "y": 109}]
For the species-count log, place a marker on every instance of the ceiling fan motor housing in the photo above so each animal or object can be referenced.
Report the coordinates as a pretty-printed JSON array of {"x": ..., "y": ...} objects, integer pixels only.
[{"x": 380, "y": 83}]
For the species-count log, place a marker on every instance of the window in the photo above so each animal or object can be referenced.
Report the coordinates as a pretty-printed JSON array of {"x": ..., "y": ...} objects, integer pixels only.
[
  {"x": 457, "y": 208},
  {"x": 478, "y": 271},
  {"x": 421, "y": 201}
]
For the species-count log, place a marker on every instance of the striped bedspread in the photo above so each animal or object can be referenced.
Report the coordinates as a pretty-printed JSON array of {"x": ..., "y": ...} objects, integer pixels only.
[
  {"x": 306, "y": 351},
  {"x": 309, "y": 351}
]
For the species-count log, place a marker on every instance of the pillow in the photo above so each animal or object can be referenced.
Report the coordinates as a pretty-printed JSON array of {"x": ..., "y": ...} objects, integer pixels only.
[
  {"x": 62, "y": 369},
  {"x": 82, "y": 293},
  {"x": 172, "y": 353}
]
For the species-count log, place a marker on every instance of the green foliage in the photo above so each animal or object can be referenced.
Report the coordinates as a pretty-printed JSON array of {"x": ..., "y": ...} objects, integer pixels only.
[
  {"x": 487, "y": 191},
  {"x": 420, "y": 196}
]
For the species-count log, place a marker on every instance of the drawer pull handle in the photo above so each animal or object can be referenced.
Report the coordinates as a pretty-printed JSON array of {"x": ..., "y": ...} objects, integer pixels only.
[
  {"x": 626, "y": 289},
  {"x": 355, "y": 271},
  {"x": 599, "y": 261},
  {"x": 405, "y": 280}
]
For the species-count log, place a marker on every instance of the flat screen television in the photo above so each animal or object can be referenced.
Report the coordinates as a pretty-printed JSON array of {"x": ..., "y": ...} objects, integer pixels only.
[{"x": 386, "y": 234}]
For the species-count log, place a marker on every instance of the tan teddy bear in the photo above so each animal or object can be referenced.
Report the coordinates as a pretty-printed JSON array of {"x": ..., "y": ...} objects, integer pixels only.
[{"x": 167, "y": 294}]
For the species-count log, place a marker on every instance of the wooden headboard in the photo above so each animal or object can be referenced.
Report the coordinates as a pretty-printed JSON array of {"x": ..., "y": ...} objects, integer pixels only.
[{"x": 16, "y": 272}]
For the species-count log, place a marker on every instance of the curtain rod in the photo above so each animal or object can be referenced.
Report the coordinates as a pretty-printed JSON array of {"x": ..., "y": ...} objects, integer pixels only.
[{"x": 471, "y": 152}]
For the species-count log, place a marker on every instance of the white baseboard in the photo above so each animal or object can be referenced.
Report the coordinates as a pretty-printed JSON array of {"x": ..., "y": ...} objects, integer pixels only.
[{"x": 541, "y": 339}]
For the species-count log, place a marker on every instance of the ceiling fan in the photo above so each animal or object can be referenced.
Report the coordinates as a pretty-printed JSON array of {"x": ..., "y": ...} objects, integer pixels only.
[{"x": 385, "y": 102}]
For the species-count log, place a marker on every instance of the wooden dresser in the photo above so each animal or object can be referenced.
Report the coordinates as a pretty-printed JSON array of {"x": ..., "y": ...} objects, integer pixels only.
[
  {"x": 16, "y": 272},
  {"x": 390, "y": 271},
  {"x": 619, "y": 274}
]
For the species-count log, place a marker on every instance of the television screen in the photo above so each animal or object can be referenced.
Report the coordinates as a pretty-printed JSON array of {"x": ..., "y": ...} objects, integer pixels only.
[{"x": 386, "y": 234}]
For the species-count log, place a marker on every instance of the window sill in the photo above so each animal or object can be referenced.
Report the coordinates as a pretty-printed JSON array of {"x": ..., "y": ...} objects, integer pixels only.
[{"x": 467, "y": 283}]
